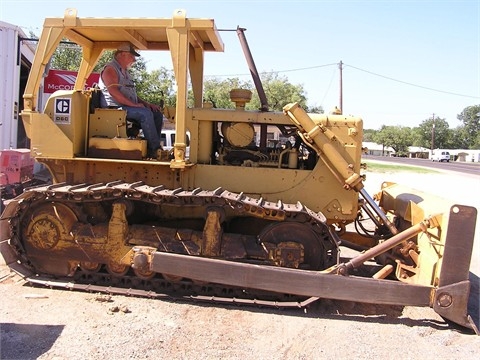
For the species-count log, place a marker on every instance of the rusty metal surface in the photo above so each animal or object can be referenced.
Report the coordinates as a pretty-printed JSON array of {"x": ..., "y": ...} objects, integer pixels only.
[
  {"x": 451, "y": 303},
  {"x": 459, "y": 245},
  {"x": 451, "y": 298},
  {"x": 298, "y": 282},
  {"x": 384, "y": 246}
]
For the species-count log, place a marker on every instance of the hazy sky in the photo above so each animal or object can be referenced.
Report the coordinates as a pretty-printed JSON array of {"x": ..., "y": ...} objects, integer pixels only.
[{"x": 403, "y": 60}]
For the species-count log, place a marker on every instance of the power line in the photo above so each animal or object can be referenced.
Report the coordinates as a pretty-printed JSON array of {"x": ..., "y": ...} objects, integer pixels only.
[
  {"x": 408, "y": 83},
  {"x": 308, "y": 68},
  {"x": 356, "y": 68},
  {"x": 281, "y": 71}
]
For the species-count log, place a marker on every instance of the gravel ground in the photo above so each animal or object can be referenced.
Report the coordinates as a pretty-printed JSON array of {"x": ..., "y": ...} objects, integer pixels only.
[{"x": 42, "y": 323}]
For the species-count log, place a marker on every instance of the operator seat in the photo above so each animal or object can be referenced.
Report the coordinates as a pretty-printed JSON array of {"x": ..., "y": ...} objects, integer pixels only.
[
  {"x": 98, "y": 101},
  {"x": 110, "y": 134}
]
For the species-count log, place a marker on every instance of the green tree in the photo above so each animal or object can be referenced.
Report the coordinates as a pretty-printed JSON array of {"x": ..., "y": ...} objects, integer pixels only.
[
  {"x": 66, "y": 57},
  {"x": 459, "y": 138},
  {"x": 69, "y": 55},
  {"x": 435, "y": 129},
  {"x": 279, "y": 92},
  {"x": 476, "y": 143},
  {"x": 217, "y": 92},
  {"x": 106, "y": 57},
  {"x": 399, "y": 138},
  {"x": 470, "y": 117},
  {"x": 368, "y": 135},
  {"x": 315, "y": 109},
  {"x": 156, "y": 86},
  {"x": 417, "y": 138}
]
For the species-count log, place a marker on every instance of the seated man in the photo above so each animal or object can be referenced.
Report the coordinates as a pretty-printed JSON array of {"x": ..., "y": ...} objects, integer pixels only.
[{"x": 118, "y": 89}]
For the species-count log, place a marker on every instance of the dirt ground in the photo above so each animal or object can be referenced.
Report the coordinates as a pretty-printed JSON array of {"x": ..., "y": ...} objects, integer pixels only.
[{"x": 42, "y": 323}]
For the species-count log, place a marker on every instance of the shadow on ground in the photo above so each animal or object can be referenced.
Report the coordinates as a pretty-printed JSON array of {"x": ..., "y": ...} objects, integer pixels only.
[{"x": 27, "y": 341}]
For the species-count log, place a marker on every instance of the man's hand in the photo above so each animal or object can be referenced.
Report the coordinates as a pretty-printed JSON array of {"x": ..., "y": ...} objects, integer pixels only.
[{"x": 152, "y": 107}]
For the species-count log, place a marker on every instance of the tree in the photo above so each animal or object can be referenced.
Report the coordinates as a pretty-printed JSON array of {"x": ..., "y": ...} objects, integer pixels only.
[
  {"x": 217, "y": 92},
  {"x": 470, "y": 117},
  {"x": 156, "y": 86},
  {"x": 418, "y": 138},
  {"x": 459, "y": 138},
  {"x": 66, "y": 57},
  {"x": 69, "y": 55},
  {"x": 399, "y": 138},
  {"x": 368, "y": 135},
  {"x": 435, "y": 129},
  {"x": 315, "y": 109},
  {"x": 106, "y": 57},
  {"x": 279, "y": 92}
]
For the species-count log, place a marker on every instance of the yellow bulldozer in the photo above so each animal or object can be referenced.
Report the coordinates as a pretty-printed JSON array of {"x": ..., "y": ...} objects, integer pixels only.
[{"x": 242, "y": 219}]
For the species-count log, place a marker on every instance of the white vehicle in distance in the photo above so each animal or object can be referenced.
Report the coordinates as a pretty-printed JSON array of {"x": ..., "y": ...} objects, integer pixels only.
[
  {"x": 441, "y": 156},
  {"x": 167, "y": 139}
]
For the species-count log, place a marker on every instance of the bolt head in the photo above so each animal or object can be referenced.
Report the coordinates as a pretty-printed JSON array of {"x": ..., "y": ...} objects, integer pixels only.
[{"x": 444, "y": 300}]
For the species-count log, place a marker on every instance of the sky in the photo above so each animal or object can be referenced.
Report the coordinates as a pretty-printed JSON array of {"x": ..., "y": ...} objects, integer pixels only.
[{"x": 403, "y": 61}]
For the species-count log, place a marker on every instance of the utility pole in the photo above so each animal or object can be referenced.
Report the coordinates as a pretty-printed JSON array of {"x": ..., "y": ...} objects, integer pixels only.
[
  {"x": 340, "y": 66},
  {"x": 433, "y": 131}
]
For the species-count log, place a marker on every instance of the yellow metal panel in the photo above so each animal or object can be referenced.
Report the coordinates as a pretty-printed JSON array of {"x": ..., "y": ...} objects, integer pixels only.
[
  {"x": 61, "y": 130},
  {"x": 48, "y": 139},
  {"x": 117, "y": 148},
  {"x": 287, "y": 185},
  {"x": 108, "y": 123},
  {"x": 414, "y": 206},
  {"x": 68, "y": 110},
  {"x": 411, "y": 204},
  {"x": 93, "y": 171}
]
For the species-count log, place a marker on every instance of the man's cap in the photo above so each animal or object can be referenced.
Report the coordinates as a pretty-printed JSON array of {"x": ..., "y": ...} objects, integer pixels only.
[{"x": 128, "y": 48}]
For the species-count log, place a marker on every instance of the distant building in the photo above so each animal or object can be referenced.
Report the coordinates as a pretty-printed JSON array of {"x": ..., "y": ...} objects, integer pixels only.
[
  {"x": 460, "y": 155},
  {"x": 418, "y": 152},
  {"x": 371, "y": 148},
  {"x": 465, "y": 155}
]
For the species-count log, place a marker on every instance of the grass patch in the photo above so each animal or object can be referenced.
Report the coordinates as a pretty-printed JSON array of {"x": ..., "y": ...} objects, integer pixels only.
[{"x": 380, "y": 167}]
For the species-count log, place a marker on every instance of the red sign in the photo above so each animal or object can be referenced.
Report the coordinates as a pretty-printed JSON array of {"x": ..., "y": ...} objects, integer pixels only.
[{"x": 65, "y": 80}]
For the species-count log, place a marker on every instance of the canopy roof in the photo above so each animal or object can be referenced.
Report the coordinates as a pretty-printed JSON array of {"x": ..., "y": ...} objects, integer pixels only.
[{"x": 143, "y": 33}]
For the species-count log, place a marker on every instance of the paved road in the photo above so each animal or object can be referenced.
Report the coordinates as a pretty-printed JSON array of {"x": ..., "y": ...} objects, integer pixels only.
[{"x": 462, "y": 167}]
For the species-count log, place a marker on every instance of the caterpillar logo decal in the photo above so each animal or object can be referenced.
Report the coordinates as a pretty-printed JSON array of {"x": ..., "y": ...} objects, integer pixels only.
[{"x": 62, "y": 111}]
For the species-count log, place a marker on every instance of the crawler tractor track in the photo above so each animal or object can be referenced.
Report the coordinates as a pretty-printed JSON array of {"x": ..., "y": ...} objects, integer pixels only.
[{"x": 92, "y": 276}]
